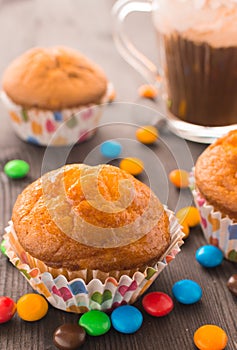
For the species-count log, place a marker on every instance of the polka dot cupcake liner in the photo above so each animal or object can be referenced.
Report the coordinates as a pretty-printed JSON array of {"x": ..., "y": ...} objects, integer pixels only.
[
  {"x": 218, "y": 230},
  {"x": 104, "y": 291},
  {"x": 54, "y": 128}
]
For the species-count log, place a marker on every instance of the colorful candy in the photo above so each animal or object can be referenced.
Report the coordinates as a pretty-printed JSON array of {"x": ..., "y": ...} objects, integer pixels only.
[
  {"x": 147, "y": 134},
  {"x": 188, "y": 217},
  {"x": 185, "y": 229},
  {"x": 126, "y": 319},
  {"x": 147, "y": 91},
  {"x": 2, "y": 247},
  {"x": 232, "y": 284},
  {"x": 95, "y": 322},
  {"x": 7, "y": 309},
  {"x": 16, "y": 169},
  {"x": 133, "y": 166},
  {"x": 179, "y": 178},
  {"x": 69, "y": 336},
  {"x": 32, "y": 307},
  {"x": 210, "y": 337},
  {"x": 187, "y": 291},
  {"x": 157, "y": 304},
  {"x": 209, "y": 256},
  {"x": 110, "y": 149}
]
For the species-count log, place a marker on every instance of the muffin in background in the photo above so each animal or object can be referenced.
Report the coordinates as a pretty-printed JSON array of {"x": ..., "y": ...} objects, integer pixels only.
[
  {"x": 214, "y": 187},
  {"x": 90, "y": 237},
  {"x": 46, "y": 87}
]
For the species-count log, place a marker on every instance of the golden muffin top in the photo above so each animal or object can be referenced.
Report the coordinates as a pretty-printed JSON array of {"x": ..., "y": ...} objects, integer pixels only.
[
  {"x": 54, "y": 78},
  {"x": 216, "y": 174},
  {"x": 83, "y": 217}
]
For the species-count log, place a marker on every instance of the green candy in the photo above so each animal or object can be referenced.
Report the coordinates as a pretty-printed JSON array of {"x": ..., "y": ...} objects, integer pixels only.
[
  {"x": 2, "y": 247},
  {"x": 16, "y": 169},
  {"x": 95, "y": 322}
]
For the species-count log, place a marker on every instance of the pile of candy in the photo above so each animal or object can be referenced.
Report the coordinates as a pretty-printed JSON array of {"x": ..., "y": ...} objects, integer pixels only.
[{"x": 127, "y": 319}]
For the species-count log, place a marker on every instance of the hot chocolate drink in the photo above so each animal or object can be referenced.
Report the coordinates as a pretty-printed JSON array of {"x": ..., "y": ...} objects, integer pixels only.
[
  {"x": 201, "y": 81},
  {"x": 199, "y": 59}
]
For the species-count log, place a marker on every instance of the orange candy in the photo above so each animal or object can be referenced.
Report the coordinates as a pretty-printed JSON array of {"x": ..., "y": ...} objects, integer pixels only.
[
  {"x": 210, "y": 337},
  {"x": 147, "y": 134},
  {"x": 32, "y": 307},
  {"x": 179, "y": 178},
  {"x": 185, "y": 229},
  {"x": 133, "y": 166},
  {"x": 188, "y": 217},
  {"x": 147, "y": 91}
]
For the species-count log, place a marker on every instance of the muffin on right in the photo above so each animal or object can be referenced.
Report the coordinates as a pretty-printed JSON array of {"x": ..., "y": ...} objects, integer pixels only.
[{"x": 214, "y": 187}]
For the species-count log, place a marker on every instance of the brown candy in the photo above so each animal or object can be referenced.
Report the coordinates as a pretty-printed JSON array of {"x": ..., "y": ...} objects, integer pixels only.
[
  {"x": 69, "y": 336},
  {"x": 232, "y": 284}
]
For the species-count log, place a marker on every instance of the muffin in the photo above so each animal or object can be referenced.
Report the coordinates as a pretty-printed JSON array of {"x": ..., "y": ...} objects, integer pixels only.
[
  {"x": 90, "y": 237},
  {"x": 215, "y": 193},
  {"x": 45, "y": 88}
]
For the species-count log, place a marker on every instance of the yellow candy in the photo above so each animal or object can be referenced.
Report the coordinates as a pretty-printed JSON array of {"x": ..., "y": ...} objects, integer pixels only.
[
  {"x": 133, "y": 166},
  {"x": 32, "y": 307},
  {"x": 210, "y": 337},
  {"x": 189, "y": 216},
  {"x": 147, "y": 134},
  {"x": 179, "y": 178}
]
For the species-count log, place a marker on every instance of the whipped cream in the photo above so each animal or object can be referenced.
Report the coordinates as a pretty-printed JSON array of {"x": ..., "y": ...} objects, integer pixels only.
[{"x": 211, "y": 21}]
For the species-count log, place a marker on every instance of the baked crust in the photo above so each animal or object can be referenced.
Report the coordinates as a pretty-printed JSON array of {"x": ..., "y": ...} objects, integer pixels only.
[
  {"x": 216, "y": 174},
  {"x": 54, "y": 78},
  {"x": 38, "y": 223}
]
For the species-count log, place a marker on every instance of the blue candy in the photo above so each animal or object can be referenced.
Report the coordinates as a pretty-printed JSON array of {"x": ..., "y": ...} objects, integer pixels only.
[
  {"x": 209, "y": 256},
  {"x": 110, "y": 149},
  {"x": 126, "y": 319},
  {"x": 187, "y": 291}
]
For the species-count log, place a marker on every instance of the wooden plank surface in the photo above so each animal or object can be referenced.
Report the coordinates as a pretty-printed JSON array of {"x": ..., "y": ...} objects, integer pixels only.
[{"x": 87, "y": 26}]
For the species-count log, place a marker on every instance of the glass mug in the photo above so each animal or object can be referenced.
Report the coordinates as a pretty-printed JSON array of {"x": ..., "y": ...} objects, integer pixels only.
[{"x": 197, "y": 62}]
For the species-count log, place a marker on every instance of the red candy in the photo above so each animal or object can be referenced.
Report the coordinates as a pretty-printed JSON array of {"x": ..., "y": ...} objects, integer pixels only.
[
  {"x": 7, "y": 309},
  {"x": 157, "y": 304}
]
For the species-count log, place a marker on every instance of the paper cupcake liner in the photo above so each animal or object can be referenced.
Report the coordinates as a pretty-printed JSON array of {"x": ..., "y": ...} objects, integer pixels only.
[
  {"x": 218, "y": 230},
  {"x": 78, "y": 296},
  {"x": 55, "y": 128}
]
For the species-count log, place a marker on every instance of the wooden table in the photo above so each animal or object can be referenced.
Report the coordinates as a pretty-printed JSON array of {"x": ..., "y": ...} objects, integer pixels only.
[{"x": 86, "y": 25}]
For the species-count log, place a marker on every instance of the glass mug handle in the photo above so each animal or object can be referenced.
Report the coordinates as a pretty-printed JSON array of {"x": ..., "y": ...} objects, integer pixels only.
[{"x": 135, "y": 58}]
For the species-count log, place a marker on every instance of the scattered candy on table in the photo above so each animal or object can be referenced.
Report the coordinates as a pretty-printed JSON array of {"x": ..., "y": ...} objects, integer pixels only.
[
  {"x": 179, "y": 178},
  {"x": 7, "y": 309},
  {"x": 95, "y": 322},
  {"x": 185, "y": 229},
  {"x": 188, "y": 217},
  {"x": 147, "y": 91},
  {"x": 32, "y": 307},
  {"x": 133, "y": 166},
  {"x": 209, "y": 256},
  {"x": 2, "y": 247},
  {"x": 187, "y": 291},
  {"x": 210, "y": 337},
  {"x": 69, "y": 336},
  {"x": 147, "y": 134},
  {"x": 232, "y": 284},
  {"x": 110, "y": 149},
  {"x": 126, "y": 319},
  {"x": 157, "y": 304},
  {"x": 16, "y": 169}
]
